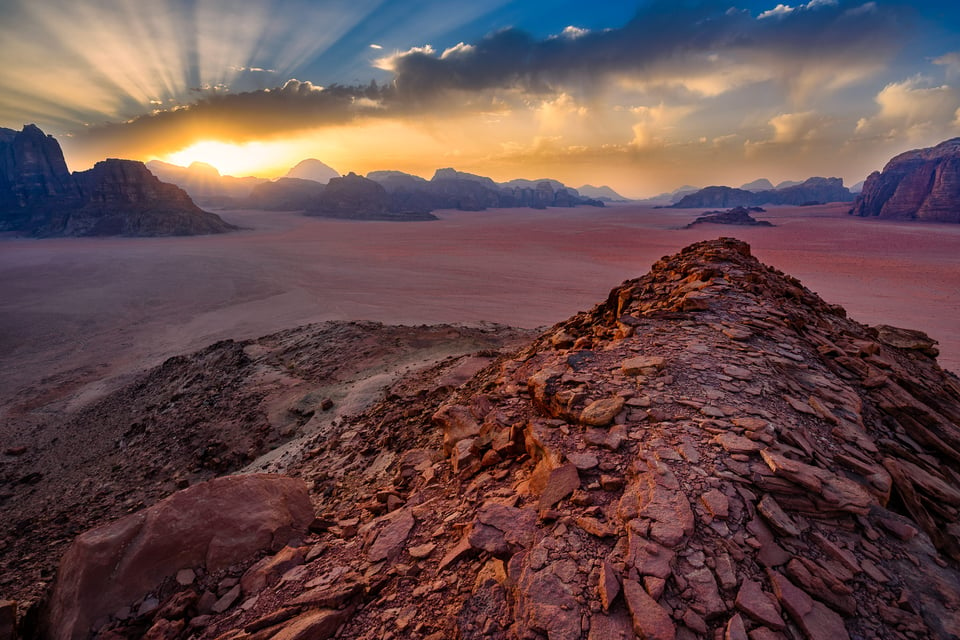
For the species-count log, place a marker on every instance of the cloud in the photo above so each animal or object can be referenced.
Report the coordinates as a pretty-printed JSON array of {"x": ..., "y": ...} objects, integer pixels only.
[
  {"x": 914, "y": 108},
  {"x": 819, "y": 34}
]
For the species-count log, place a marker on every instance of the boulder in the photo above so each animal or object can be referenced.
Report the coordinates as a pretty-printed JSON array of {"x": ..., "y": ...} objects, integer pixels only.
[{"x": 214, "y": 524}]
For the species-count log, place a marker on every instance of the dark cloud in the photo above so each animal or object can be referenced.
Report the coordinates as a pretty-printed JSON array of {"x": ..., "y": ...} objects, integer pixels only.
[
  {"x": 662, "y": 38},
  {"x": 661, "y": 32},
  {"x": 235, "y": 117}
]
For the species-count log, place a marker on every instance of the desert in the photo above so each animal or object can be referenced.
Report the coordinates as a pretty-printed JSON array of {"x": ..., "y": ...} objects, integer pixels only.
[{"x": 308, "y": 333}]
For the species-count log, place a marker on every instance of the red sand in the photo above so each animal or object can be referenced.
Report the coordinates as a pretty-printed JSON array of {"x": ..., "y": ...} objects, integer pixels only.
[{"x": 75, "y": 311}]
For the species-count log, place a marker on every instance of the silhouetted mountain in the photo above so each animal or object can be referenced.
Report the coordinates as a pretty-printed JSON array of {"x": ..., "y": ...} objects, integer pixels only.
[
  {"x": 923, "y": 184},
  {"x": 116, "y": 197},
  {"x": 812, "y": 191},
  {"x": 285, "y": 194},
  {"x": 760, "y": 184},
  {"x": 602, "y": 193},
  {"x": 313, "y": 169},
  {"x": 204, "y": 183}
]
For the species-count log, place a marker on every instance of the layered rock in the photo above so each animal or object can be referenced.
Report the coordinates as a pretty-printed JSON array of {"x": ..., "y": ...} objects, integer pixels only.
[
  {"x": 811, "y": 191},
  {"x": 923, "y": 184},
  {"x": 712, "y": 452},
  {"x": 739, "y": 216},
  {"x": 116, "y": 197}
]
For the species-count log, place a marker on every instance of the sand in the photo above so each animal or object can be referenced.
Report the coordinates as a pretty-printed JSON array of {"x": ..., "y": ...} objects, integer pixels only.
[{"x": 78, "y": 316}]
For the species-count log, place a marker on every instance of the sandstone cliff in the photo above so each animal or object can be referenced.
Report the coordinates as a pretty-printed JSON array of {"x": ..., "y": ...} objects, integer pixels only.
[
  {"x": 712, "y": 452},
  {"x": 923, "y": 184},
  {"x": 38, "y": 196}
]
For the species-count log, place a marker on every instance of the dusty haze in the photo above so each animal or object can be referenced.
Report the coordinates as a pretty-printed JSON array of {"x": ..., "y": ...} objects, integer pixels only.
[{"x": 79, "y": 315}]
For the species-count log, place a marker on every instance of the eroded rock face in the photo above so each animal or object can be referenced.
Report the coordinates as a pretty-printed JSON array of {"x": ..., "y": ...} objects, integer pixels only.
[
  {"x": 923, "y": 184},
  {"x": 212, "y": 525},
  {"x": 38, "y": 196}
]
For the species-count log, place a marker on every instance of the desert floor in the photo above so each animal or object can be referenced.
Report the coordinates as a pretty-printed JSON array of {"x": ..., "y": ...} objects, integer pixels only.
[{"x": 79, "y": 316}]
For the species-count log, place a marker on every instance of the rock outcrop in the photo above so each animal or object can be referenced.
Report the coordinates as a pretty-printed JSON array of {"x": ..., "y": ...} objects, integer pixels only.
[
  {"x": 116, "y": 197},
  {"x": 211, "y": 525},
  {"x": 738, "y": 216},
  {"x": 811, "y": 191},
  {"x": 923, "y": 184},
  {"x": 712, "y": 452}
]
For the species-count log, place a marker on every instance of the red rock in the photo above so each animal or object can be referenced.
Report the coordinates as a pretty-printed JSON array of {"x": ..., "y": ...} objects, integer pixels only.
[
  {"x": 562, "y": 481},
  {"x": 609, "y": 587},
  {"x": 817, "y": 620},
  {"x": 313, "y": 625},
  {"x": 391, "y": 540},
  {"x": 600, "y": 413},
  {"x": 269, "y": 569},
  {"x": 760, "y": 606},
  {"x": 164, "y": 629},
  {"x": 735, "y": 629},
  {"x": 212, "y": 524},
  {"x": 650, "y": 620}
]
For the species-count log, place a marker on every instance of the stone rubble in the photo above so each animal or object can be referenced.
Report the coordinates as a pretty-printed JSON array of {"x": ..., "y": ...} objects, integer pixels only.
[{"x": 713, "y": 452}]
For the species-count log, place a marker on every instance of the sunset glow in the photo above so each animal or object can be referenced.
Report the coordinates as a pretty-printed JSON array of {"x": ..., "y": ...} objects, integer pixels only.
[{"x": 644, "y": 96}]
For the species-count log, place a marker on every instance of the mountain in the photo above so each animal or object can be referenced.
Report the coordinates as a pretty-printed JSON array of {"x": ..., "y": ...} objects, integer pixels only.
[
  {"x": 761, "y": 184},
  {"x": 39, "y": 197},
  {"x": 711, "y": 452},
  {"x": 284, "y": 194},
  {"x": 923, "y": 184},
  {"x": 205, "y": 184},
  {"x": 811, "y": 191},
  {"x": 313, "y": 169},
  {"x": 603, "y": 193},
  {"x": 671, "y": 197}
]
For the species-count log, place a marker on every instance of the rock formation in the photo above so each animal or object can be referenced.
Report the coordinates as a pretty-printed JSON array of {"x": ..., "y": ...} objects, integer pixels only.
[
  {"x": 712, "y": 452},
  {"x": 811, "y": 191},
  {"x": 116, "y": 197},
  {"x": 285, "y": 194},
  {"x": 357, "y": 198},
  {"x": 204, "y": 183},
  {"x": 923, "y": 184},
  {"x": 736, "y": 216},
  {"x": 313, "y": 169}
]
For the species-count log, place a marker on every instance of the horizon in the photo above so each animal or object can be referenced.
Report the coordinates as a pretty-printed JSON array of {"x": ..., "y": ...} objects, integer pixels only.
[{"x": 641, "y": 97}]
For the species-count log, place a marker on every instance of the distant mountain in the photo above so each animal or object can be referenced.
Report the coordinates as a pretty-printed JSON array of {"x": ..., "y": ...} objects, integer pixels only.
[
  {"x": 670, "y": 197},
  {"x": 812, "y": 191},
  {"x": 285, "y": 194},
  {"x": 923, "y": 184},
  {"x": 603, "y": 193},
  {"x": 761, "y": 184},
  {"x": 788, "y": 183},
  {"x": 204, "y": 183},
  {"x": 39, "y": 197},
  {"x": 313, "y": 169}
]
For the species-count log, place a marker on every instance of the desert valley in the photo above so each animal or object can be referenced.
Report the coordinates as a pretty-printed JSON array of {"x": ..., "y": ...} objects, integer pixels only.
[{"x": 446, "y": 394}]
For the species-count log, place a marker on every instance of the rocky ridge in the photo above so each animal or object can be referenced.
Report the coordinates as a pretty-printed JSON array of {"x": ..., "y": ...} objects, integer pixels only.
[
  {"x": 811, "y": 191},
  {"x": 713, "y": 452},
  {"x": 923, "y": 184},
  {"x": 39, "y": 197}
]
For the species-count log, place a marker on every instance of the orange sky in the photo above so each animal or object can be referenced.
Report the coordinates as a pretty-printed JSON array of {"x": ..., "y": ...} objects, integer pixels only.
[{"x": 643, "y": 97}]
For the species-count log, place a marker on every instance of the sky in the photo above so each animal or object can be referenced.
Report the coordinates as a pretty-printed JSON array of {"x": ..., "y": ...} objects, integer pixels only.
[{"x": 645, "y": 96}]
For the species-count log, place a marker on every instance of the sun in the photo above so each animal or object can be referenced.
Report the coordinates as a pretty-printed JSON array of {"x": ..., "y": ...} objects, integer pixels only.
[{"x": 250, "y": 158}]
